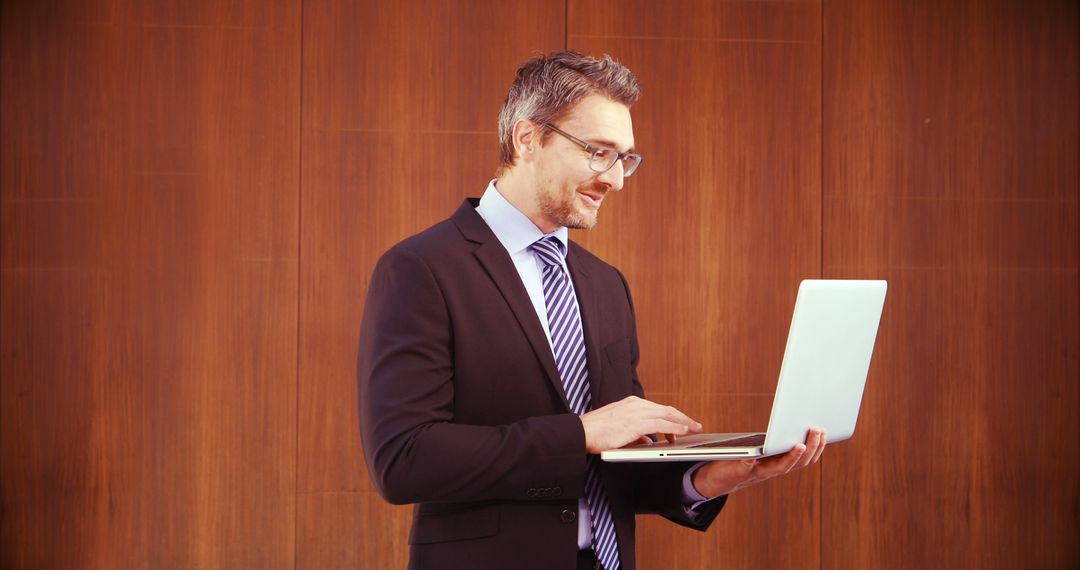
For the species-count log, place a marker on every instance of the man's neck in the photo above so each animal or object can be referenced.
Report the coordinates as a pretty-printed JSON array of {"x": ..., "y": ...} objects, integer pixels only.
[{"x": 521, "y": 194}]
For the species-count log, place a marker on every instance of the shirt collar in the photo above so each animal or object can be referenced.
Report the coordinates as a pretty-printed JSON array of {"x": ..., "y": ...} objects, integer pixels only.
[{"x": 514, "y": 229}]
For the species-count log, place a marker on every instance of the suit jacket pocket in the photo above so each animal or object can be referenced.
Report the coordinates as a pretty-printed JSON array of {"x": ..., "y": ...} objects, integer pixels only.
[{"x": 451, "y": 526}]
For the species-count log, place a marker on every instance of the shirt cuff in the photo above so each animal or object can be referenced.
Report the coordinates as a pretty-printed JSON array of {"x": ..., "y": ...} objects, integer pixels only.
[{"x": 692, "y": 499}]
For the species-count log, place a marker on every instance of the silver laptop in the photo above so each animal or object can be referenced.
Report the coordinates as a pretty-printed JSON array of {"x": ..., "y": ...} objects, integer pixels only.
[{"x": 821, "y": 378}]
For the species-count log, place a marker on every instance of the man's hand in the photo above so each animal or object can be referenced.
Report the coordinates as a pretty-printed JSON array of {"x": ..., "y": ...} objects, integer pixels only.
[
  {"x": 725, "y": 477},
  {"x": 630, "y": 420}
]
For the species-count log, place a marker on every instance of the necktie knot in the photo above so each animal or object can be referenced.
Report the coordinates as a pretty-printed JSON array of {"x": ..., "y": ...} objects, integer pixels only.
[{"x": 550, "y": 250}]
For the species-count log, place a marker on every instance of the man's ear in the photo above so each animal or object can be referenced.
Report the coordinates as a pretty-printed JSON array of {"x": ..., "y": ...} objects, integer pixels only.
[{"x": 526, "y": 139}]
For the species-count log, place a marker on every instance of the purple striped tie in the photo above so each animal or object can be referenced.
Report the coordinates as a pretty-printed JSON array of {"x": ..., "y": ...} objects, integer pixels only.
[{"x": 568, "y": 342}]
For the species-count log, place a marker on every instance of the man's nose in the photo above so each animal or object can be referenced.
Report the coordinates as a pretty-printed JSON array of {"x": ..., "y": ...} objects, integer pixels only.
[{"x": 612, "y": 177}]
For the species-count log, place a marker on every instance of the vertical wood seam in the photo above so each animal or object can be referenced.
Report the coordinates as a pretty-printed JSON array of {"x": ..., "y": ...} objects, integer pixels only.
[
  {"x": 821, "y": 261},
  {"x": 299, "y": 293},
  {"x": 566, "y": 25}
]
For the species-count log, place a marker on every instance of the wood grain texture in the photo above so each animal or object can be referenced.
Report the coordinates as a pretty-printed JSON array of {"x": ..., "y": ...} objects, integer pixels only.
[
  {"x": 149, "y": 223},
  {"x": 400, "y": 110},
  {"x": 714, "y": 233},
  {"x": 366, "y": 531},
  {"x": 950, "y": 165},
  {"x": 193, "y": 196},
  {"x": 749, "y": 21}
]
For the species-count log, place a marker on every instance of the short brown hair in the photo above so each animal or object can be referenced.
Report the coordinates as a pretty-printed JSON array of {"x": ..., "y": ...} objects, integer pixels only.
[{"x": 547, "y": 87}]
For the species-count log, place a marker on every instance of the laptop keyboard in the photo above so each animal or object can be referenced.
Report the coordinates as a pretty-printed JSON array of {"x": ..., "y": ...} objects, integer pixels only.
[{"x": 752, "y": 440}]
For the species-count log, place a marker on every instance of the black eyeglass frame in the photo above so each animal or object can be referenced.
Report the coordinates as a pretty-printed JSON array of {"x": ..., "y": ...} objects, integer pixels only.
[{"x": 596, "y": 149}]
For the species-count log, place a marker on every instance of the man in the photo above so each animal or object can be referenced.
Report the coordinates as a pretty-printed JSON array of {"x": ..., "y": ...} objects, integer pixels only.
[{"x": 497, "y": 358}]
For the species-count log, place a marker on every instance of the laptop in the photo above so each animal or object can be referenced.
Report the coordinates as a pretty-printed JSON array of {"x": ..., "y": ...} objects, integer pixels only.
[{"x": 821, "y": 378}]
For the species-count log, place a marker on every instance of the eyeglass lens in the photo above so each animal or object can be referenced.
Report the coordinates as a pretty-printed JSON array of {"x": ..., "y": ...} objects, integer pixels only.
[{"x": 603, "y": 159}]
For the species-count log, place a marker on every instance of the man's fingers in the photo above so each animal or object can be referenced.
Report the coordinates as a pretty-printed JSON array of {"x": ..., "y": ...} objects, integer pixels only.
[
  {"x": 781, "y": 464},
  {"x": 821, "y": 447},
  {"x": 665, "y": 427},
  {"x": 814, "y": 442},
  {"x": 631, "y": 418},
  {"x": 798, "y": 454},
  {"x": 651, "y": 410},
  {"x": 811, "y": 446},
  {"x": 672, "y": 414},
  {"x": 806, "y": 459},
  {"x": 726, "y": 477}
]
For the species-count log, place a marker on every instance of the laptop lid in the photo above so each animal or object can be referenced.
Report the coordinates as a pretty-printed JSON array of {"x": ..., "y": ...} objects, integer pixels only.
[
  {"x": 823, "y": 373},
  {"x": 822, "y": 376}
]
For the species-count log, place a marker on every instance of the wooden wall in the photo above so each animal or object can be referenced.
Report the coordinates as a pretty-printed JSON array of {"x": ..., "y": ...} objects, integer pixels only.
[
  {"x": 951, "y": 149},
  {"x": 150, "y": 223},
  {"x": 194, "y": 194}
]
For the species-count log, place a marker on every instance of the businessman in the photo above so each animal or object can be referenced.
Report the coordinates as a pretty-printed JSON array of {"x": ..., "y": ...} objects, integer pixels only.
[{"x": 497, "y": 358}]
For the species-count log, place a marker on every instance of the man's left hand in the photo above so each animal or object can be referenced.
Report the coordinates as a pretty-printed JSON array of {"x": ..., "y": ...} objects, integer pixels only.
[{"x": 725, "y": 477}]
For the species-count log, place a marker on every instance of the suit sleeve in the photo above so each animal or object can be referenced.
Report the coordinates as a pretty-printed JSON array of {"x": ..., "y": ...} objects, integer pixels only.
[
  {"x": 413, "y": 449},
  {"x": 658, "y": 486}
]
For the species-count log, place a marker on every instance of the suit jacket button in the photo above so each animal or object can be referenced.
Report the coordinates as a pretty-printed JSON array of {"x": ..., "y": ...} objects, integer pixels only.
[{"x": 568, "y": 516}]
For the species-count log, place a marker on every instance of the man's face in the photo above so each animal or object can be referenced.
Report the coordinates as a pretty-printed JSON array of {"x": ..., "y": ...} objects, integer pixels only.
[{"x": 570, "y": 192}]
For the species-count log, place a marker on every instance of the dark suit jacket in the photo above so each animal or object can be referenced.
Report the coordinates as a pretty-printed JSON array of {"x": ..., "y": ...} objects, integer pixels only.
[{"x": 462, "y": 410}]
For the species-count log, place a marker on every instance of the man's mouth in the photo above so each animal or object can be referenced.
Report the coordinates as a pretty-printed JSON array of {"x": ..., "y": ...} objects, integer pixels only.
[{"x": 592, "y": 197}]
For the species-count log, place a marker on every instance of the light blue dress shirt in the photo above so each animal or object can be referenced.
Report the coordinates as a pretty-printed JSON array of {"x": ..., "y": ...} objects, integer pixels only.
[{"x": 516, "y": 233}]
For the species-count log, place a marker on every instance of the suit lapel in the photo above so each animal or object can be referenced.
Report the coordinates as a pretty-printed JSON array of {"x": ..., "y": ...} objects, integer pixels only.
[
  {"x": 590, "y": 324},
  {"x": 498, "y": 265}
]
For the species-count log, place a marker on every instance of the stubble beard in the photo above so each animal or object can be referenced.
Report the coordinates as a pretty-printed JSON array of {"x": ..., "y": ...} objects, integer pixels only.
[{"x": 561, "y": 209}]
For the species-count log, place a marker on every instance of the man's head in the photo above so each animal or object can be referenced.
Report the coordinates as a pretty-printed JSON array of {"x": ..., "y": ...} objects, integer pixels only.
[
  {"x": 561, "y": 112},
  {"x": 546, "y": 87}
]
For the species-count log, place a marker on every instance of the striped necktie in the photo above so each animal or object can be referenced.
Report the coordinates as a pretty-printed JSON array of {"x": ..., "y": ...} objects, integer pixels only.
[{"x": 568, "y": 344}]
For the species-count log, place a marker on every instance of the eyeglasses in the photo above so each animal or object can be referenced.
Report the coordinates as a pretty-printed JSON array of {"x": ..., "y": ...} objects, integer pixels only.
[{"x": 603, "y": 158}]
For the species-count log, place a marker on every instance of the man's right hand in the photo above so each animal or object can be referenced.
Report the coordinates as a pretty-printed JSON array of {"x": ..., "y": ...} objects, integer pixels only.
[{"x": 630, "y": 420}]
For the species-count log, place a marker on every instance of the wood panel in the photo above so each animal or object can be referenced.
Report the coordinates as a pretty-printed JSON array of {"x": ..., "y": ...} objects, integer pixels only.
[
  {"x": 714, "y": 233},
  {"x": 149, "y": 285},
  {"x": 950, "y": 162},
  {"x": 400, "y": 110},
  {"x": 168, "y": 229}
]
